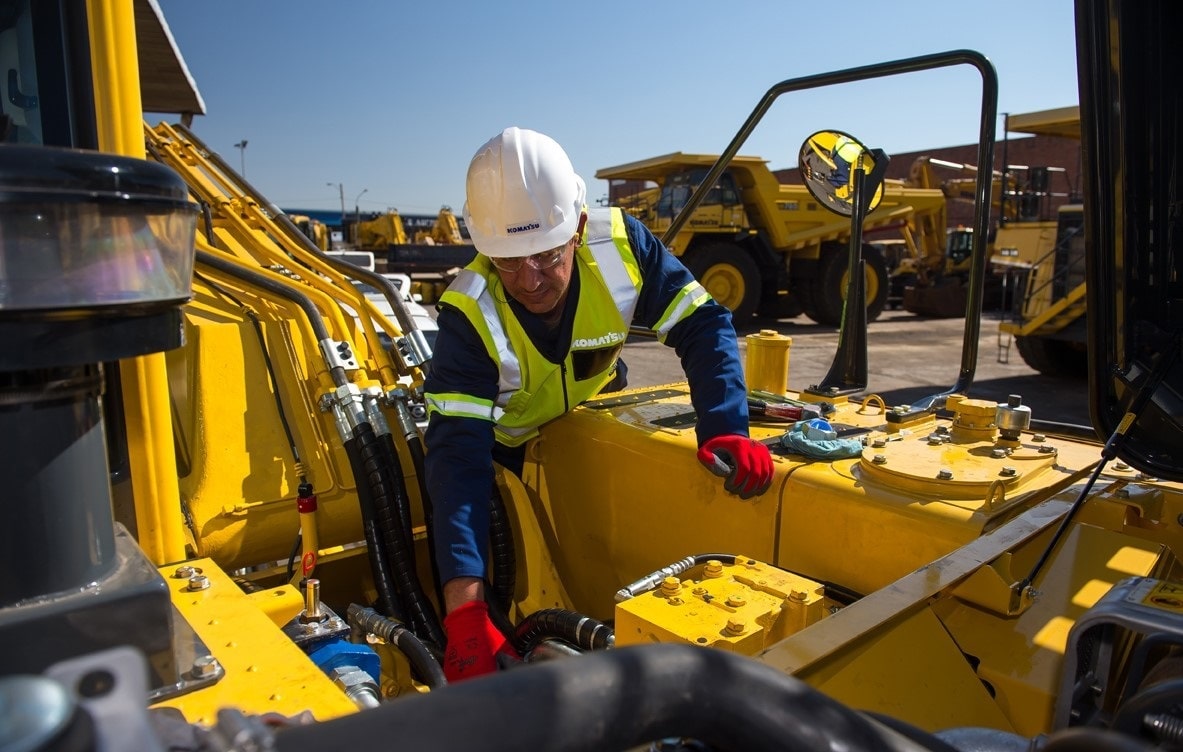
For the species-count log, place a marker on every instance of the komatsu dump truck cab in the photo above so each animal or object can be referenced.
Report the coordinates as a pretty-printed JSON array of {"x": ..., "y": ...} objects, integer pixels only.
[{"x": 219, "y": 539}]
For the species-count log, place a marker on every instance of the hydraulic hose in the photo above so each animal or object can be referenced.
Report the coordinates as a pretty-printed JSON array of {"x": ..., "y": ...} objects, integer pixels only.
[
  {"x": 501, "y": 552},
  {"x": 388, "y": 601},
  {"x": 383, "y": 481},
  {"x": 414, "y": 442},
  {"x": 581, "y": 631},
  {"x": 613, "y": 699},
  {"x": 285, "y": 291},
  {"x": 425, "y": 666}
]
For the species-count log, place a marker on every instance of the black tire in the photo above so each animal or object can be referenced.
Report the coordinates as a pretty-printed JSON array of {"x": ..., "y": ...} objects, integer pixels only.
[
  {"x": 729, "y": 274},
  {"x": 1054, "y": 357},
  {"x": 829, "y": 287}
]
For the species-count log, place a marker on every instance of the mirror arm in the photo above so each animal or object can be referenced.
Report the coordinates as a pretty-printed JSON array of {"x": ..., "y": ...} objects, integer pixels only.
[{"x": 848, "y": 372}]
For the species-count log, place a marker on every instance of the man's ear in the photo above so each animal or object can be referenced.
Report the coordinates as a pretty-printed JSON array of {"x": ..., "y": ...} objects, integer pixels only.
[{"x": 582, "y": 222}]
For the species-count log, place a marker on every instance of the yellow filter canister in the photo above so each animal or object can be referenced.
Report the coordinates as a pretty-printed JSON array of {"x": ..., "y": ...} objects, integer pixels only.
[{"x": 766, "y": 366}]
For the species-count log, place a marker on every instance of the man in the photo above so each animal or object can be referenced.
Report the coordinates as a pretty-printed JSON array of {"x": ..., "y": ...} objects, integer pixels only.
[{"x": 533, "y": 327}]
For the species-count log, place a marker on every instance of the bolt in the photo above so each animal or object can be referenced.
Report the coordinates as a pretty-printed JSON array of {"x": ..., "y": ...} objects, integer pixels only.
[
  {"x": 998, "y": 454},
  {"x": 1038, "y": 437},
  {"x": 671, "y": 585},
  {"x": 1120, "y": 466},
  {"x": 1145, "y": 477},
  {"x": 934, "y": 440},
  {"x": 942, "y": 430},
  {"x": 714, "y": 568},
  {"x": 879, "y": 443},
  {"x": 797, "y": 595},
  {"x": 676, "y": 601},
  {"x": 1122, "y": 493},
  {"x": 735, "y": 600},
  {"x": 945, "y": 474},
  {"x": 325, "y": 403},
  {"x": 186, "y": 571},
  {"x": 198, "y": 582},
  {"x": 699, "y": 590},
  {"x": 1047, "y": 449},
  {"x": 1008, "y": 472},
  {"x": 736, "y": 626},
  {"x": 205, "y": 666},
  {"x": 879, "y": 459}
]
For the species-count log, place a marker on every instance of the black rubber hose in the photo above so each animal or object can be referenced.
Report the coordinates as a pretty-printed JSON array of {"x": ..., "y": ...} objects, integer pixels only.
[
  {"x": 610, "y": 700},
  {"x": 1085, "y": 739},
  {"x": 384, "y": 481},
  {"x": 388, "y": 602},
  {"x": 501, "y": 551},
  {"x": 423, "y": 663},
  {"x": 581, "y": 631},
  {"x": 418, "y": 459}
]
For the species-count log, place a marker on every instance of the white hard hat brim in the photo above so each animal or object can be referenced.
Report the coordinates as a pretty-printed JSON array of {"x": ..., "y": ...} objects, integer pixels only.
[{"x": 527, "y": 243}]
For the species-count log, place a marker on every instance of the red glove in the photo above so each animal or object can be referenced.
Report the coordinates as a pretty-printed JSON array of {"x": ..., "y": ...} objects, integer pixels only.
[
  {"x": 473, "y": 642},
  {"x": 746, "y": 464}
]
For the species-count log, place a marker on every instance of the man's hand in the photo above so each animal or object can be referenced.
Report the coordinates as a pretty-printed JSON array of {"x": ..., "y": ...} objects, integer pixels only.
[
  {"x": 473, "y": 642},
  {"x": 746, "y": 464}
]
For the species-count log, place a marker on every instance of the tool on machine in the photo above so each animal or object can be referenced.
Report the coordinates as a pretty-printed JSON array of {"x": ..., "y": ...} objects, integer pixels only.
[{"x": 803, "y": 411}]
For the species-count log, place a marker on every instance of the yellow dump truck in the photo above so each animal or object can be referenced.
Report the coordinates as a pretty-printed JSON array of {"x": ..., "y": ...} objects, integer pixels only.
[{"x": 762, "y": 246}]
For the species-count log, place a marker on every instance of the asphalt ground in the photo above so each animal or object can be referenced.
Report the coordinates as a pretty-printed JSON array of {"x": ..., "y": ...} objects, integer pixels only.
[{"x": 908, "y": 358}]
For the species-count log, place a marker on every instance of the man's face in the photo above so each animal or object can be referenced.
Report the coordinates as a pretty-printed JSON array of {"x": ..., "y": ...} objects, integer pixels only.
[{"x": 540, "y": 291}]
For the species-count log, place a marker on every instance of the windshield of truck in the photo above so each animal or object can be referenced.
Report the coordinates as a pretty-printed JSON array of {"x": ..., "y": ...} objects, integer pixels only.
[{"x": 676, "y": 191}]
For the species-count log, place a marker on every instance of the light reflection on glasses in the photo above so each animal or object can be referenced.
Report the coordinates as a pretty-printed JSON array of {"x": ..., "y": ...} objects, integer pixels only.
[{"x": 539, "y": 261}]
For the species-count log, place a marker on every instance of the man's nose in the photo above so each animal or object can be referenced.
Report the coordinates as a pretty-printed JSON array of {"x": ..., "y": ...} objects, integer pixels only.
[{"x": 529, "y": 278}]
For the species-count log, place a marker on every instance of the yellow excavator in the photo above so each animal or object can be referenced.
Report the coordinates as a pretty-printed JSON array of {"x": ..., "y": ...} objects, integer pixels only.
[{"x": 218, "y": 536}]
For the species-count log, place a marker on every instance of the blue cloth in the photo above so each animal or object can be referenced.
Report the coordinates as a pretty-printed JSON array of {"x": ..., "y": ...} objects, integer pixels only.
[
  {"x": 818, "y": 440},
  {"x": 459, "y": 467}
]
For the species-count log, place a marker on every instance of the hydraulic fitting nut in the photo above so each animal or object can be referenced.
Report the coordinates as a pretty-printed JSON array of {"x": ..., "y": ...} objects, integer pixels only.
[
  {"x": 357, "y": 685},
  {"x": 714, "y": 568},
  {"x": 671, "y": 586}
]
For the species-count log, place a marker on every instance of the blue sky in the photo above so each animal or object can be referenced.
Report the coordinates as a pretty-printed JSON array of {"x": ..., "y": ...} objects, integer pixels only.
[{"x": 393, "y": 98}]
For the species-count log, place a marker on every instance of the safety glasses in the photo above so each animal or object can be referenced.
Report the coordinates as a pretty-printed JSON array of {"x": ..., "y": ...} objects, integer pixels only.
[{"x": 539, "y": 261}]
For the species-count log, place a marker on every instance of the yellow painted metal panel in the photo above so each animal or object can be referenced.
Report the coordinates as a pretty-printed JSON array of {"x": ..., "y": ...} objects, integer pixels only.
[
  {"x": 912, "y": 671},
  {"x": 265, "y": 671}
]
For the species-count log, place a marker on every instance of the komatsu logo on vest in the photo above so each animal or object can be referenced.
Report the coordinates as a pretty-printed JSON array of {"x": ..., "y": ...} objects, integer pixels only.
[
  {"x": 523, "y": 228},
  {"x": 611, "y": 338}
]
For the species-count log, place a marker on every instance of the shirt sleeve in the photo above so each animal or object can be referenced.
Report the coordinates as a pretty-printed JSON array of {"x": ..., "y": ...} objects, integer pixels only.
[
  {"x": 458, "y": 462},
  {"x": 705, "y": 341}
]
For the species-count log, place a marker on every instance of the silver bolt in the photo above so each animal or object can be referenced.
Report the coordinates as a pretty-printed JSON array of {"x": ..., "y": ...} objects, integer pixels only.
[
  {"x": 934, "y": 440},
  {"x": 198, "y": 582},
  {"x": 945, "y": 474},
  {"x": 186, "y": 571},
  {"x": 1120, "y": 466},
  {"x": 205, "y": 666},
  {"x": 1047, "y": 449},
  {"x": 1038, "y": 437},
  {"x": 325, "y": 403},
  {"x": 998, "y": 454},
  {"x": 879, "y": 459},
  {"x": 1008, "y": 472},
  {"x": 879, "y": 442},
  {"x": 942, "y": 430}
]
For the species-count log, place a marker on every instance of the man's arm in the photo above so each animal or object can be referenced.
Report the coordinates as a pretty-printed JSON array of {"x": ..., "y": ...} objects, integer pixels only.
[{"x": 705, "y": 340}]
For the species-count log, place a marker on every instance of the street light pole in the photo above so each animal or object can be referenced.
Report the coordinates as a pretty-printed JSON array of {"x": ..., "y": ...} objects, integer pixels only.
[
  {"x": 241, "y": 146},
  {"x": 356, "y": 209}
]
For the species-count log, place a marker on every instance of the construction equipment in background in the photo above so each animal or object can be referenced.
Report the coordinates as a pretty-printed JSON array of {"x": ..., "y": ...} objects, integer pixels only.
[
  {"x": 934, "y": 283},
  {"x": 314, "y": 230},
  {"x": 758, "y": 245},
  {"x": 217, "y": 536},
  {"x": 432, "y": 254},
  {"x": 1044, "y": 312}
]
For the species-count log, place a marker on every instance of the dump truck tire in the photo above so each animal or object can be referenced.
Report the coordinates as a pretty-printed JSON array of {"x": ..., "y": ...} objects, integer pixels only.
[
  {"x": 1053, "y": 357},
  {"x": 729, "y": 274},
  {"x": 829, "y": 287}
]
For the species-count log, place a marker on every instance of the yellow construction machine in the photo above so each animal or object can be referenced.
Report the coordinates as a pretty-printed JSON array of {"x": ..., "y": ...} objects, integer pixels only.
[
  {"x": 218, "y": 536},
  {"x": 1042, "y": 263},
  {"x": 933, "y": 283},
  {"x": 759, "y": 245}
]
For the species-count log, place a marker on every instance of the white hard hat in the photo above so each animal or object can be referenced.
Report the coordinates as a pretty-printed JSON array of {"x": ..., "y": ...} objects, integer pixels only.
[{"x": 523, "y": 195}]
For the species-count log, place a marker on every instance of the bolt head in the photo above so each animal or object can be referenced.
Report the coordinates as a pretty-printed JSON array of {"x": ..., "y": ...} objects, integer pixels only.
[
  {"x": 945, "y": 474},
  {"x": 205, "y": 666},
  {"x": 198, "y": 582},
  {"x": 879, "y": 459}
]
